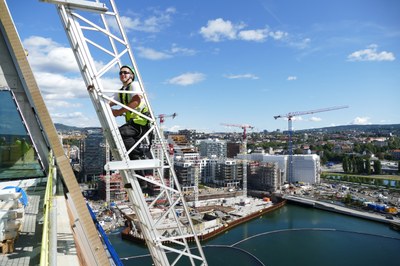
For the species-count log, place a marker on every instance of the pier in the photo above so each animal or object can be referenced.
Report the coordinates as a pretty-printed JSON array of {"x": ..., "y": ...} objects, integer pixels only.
[{"x": 378, "y": 217}]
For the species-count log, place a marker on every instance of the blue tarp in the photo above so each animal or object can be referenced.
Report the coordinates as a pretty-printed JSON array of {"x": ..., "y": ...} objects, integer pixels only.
[{"x": 24, "y": 196}]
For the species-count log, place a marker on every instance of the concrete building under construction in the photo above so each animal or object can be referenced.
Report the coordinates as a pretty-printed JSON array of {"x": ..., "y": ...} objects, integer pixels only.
[
  {"x": 264, "y": 176},
  {"x": 117, "y": 191}
]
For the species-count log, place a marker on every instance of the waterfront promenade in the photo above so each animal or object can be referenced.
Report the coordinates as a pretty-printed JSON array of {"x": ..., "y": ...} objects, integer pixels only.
[{"x": 374, "y": 216}]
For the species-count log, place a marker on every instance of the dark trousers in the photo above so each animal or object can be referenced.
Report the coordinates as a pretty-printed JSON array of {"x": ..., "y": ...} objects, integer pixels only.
[{"x": 130, "y": 134}]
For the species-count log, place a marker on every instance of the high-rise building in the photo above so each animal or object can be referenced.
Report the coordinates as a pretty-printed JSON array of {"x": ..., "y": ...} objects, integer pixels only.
[
  {"x": 213, "y": 148},
  {"x": 94, "y": 154}
]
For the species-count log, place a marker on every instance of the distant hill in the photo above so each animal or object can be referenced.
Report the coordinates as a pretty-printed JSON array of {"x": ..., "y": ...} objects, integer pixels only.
[
  {"x": 64, "y": 128},
  {"x": 392, "y": 128},
  {"x": 384, "y": 129}
]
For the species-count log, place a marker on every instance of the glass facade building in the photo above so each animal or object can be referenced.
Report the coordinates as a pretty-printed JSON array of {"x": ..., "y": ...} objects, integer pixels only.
[
  {"x": 94, "y": 154},
  {"x": 18, "y": 156}
]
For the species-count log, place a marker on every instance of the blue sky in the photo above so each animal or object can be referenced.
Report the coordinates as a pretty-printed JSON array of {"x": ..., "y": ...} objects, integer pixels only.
[{"x": 234, "y": 62}]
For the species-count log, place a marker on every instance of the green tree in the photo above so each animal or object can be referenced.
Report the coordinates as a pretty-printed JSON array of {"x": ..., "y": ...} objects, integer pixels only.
[
  {"x": 380, "y": 155},
  {"x": 298, "y": 151},
  {"x": 370, "y": 148},
  {"x": 377, "y": 167},
  {"x": 360, "y": 165},
  {"x": 328, "y": 147},
  {"x": 398, "y": 167},
  {"x": 353, "y": 165},
  {"x": 347, "y": 198},
  {"x": 345, "y": 164},
  {"x": 378, "y": 182},
  {"x": 394, "y": 143},
  {"x": 367, "y": 166},
  {"x": 357, "y": 148}
]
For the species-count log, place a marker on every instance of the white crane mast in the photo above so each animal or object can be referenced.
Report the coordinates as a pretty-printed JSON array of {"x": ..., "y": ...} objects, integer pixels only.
[{"x": 96, "y": 35}]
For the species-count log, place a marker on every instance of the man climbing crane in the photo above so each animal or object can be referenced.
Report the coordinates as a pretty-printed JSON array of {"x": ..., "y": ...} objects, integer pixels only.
[{"x": 135, "y": 125}]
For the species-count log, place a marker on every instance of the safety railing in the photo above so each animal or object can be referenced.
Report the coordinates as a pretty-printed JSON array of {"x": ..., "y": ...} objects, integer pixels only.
[{"x": 44, "y": 251}]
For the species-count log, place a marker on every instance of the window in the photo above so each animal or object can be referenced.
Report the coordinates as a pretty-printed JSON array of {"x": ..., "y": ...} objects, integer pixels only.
[{"x": 18, "y": 156}]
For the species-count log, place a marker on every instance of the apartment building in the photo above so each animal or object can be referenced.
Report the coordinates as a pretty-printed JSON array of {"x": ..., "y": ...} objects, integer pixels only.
[{"x": 213, "y": 147}]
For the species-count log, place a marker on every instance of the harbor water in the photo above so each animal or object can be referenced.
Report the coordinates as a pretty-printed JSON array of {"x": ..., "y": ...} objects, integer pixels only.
[{"x": 291, "y": 235}]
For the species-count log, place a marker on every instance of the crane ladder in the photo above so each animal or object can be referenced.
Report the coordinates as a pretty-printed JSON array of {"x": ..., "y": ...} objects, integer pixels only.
[{"x": 95, "y": 29}]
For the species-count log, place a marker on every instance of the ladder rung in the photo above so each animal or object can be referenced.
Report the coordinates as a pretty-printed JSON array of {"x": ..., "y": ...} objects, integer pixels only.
[{"x": 133, "y": 165}]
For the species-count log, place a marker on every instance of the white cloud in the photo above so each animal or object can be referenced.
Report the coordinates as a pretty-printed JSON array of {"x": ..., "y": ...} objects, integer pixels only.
[
  {"x": 69, "y": 115},
  {"x": 175, "y": 128},
  {"x": 297, "y": 118},
  {"x": 292, "y": 78},
  {"x": 219, "y": 29},
  {"x": 59, "y": 87},
  {"x": 175, "y": 50},
  {"x": 315, "y": 119},
  {"x": 371, "y": 54},
  {"x": 47, "y": 55},
  {"x": 65, "y": 104},
  {"x": 242, "y": 76},
  {"x": 361, "y": 121},
  {"x": 152, "y": 54},
  {"x": 127, "y": 22},
  {"x": 154, "y": 23},
  {"x": 55, "y": 86},
  {"x": 299, "y": 43},
  {"x": 77, "y": 119},
  {"x": 253, "y": 35},
  {"x": 278, "y": 35},
  {"x": 187, "y": 79}
]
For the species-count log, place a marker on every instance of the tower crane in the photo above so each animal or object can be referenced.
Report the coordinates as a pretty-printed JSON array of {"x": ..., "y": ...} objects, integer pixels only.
[
  {"x": 243, "y": 150},
  {"x": 163, "y": 116},
  {"x": 289, "y": 117}
]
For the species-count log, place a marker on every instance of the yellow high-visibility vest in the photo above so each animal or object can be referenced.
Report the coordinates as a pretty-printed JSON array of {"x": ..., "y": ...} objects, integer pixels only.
[{"x": 125, "y": 98}]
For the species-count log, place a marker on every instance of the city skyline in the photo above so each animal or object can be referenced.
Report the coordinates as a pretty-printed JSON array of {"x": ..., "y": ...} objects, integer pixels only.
[{"x": 238, "y": 65}]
